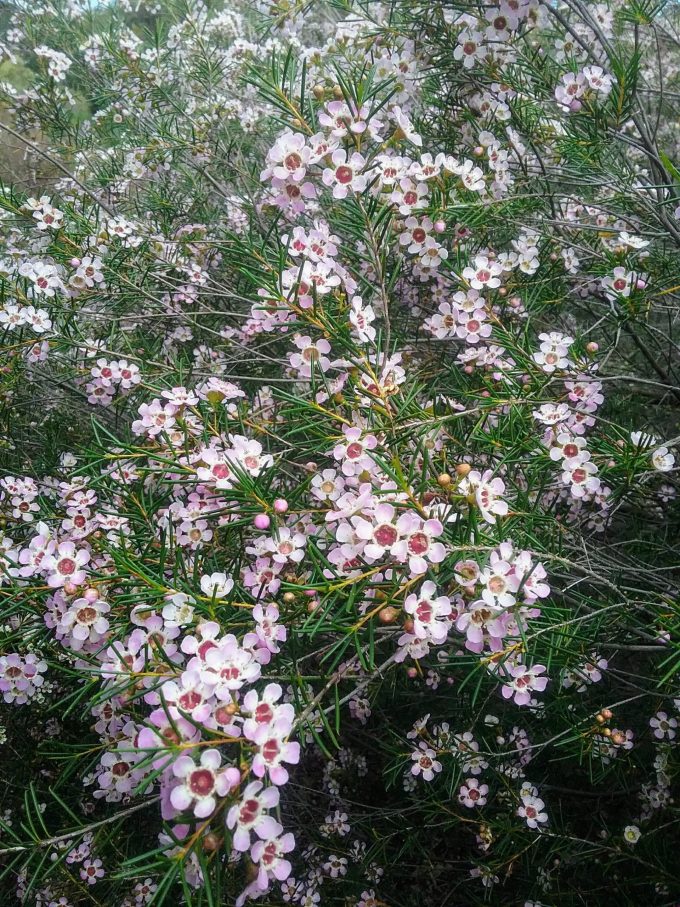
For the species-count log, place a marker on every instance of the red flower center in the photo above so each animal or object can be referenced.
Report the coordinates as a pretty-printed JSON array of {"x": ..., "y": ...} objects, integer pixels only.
[
  {"x": 418, "y": 543},
  {"x": 66, "y": 566},
  {"x": 249, "y": 812},
  {"x": 201, "y": 782},
  {"x": 344, "y": 175},
  {"x": 385, "y": 535}
]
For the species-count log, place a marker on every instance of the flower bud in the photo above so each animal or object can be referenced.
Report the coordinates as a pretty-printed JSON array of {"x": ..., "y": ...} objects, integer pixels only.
[
  {"x": 280, "y": 505},
  {"x": 444, "y": 479},
  {"x": 463, "y": 469},
  {"x": 261, "y": 521},
  {"x": 211, "y": 842},
  {"x": 388, "y": 615}
]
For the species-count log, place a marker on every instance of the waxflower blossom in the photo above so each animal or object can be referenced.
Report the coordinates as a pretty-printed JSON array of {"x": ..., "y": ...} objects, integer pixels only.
[
  {"x": 312, "y": 355},
  {"x": 65, "y": 565},
  {"x": 483, "y": 273},
  {"x": 218, "y": 585},
  {"x": 521, "y": 681},
  {"x": 424, "y": 762},
  {"x": 21, "y": 677},
  {"x": 531, "y": 810},
  {"x": 346, "y": 174},
  {"x": 249, "y": 815},
  {"x": 430, "y": 614},
  {"x": 485, "y": 490},
  {"x": 663, "y": 727},
  {"x": 472, "y": 793},
  {"x": 200, "y": 784}
]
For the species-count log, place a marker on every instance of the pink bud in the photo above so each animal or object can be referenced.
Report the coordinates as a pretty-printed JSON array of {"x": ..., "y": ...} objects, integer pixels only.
[
  {"x": 310, "y": 592},
  {"x": 75, "y": 262},
  {"x": 91, "y": 595},
  {"x": 412, "y": 673},
  {"x": 468, "y": 369},
  {"x": 261, "y": 521},
  {"x": 70, "y": 589},
  {"x": 439, "y": 226},
  {"x": 280, "y": 505}
]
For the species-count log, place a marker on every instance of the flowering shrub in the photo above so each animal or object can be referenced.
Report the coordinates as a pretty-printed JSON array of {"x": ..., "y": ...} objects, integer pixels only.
[{"x": 338, "y": 491}]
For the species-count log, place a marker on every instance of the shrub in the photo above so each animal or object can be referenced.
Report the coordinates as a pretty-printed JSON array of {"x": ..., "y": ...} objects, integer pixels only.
[{"x": 339, "y": 497}]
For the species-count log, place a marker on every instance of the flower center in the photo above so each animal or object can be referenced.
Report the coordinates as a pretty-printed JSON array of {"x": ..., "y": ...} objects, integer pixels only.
[
  {"x": 385, "y": 535},
  {"x": 201, "y": 782},
  {"x": 66, "y": 566},
  {"x": 418, "y": 543}
]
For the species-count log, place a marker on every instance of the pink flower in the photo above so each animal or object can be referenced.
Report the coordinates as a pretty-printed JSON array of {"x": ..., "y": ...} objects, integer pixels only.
[
  {"x": 354, "y": 451},
  {"x": 471, "y": 793},
  {"x": 201, "y": 784},
  {"x": 264, "y": 709},
  {"x": 430, "y": 615},
  {"x": 531, "y": 810},
  {"x": 424, "y": 762},
  {"x": 288, "y": 158},
  {"x": 273, "y": 750},
  {"x": 345, "y": 174},
  {"x": 487, "y": 491},
  {"x": 65, "y": 565},
  {"x": 269, "y": 854},
  {"x": 416, "y": 544},
  {"x": 483, "y": 273},
  {"x": 381, "y": 534},
  {"x": 85, "y": 622},
  {"x": 287, "y": 546},
  {"x": 521, "y": 681},
  {"x": 91, "y": 871},
  {"x": 248, "y": 815},
  {"x": 482, "y": 623},
  {"x": 311, "y": 355}
]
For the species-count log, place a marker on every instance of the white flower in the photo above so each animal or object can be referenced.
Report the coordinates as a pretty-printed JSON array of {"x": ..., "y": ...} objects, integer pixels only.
[
  {"x": 662, "y": 459},
  {"x": 179, "y": 610},
  {"x": 216, "y": 584},
  {"x": 631, "y": 834}
]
